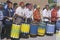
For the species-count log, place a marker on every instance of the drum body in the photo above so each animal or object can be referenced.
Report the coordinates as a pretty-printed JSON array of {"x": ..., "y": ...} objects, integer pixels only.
[
  {"x": 58, "y": 25},
  {"x": 50, "y": 29},
  {"x": 33, "y": 29},
  {"x": 58, "y": 35},
  {"x": 25, "y": 29},
  {"x": 15, "y": 31},
  {"x": 42, "y": 29}
]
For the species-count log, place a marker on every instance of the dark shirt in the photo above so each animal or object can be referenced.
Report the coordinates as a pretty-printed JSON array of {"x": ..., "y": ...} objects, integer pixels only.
[{"x": 9, "y": 12}]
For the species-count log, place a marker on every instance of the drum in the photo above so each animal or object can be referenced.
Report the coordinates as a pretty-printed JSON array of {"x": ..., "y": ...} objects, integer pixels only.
[
  {"x": 58, "y": 25},
  {"x": 15, "y": 31},
  {"x": 25, "y": 29},
  {"x": 58, "y": 35},
  {"x": 41, "y": 29},
  {"x": 33, "y": 30},
  {"x": 50, "y": 29}
]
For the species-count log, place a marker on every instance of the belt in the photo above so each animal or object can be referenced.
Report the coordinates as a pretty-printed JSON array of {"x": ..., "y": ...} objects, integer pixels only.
[
  {"x": 19, "y": 17},
  {"x": 45, "y": 18}
]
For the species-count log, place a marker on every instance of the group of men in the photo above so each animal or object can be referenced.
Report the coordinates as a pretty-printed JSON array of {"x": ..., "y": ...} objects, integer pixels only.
[{"x": 25, "y": 13}]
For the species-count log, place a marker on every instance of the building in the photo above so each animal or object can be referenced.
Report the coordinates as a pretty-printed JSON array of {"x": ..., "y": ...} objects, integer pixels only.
[
  {"x": 42, "y": 3},
  {"x": 58, "y": 2}
]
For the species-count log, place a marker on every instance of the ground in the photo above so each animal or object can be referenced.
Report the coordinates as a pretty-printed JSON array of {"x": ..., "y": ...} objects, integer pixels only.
[{"x": 41, "y": 38}]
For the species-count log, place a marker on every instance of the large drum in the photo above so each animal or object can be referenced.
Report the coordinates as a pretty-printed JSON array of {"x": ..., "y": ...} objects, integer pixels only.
[
  {"x": 15, "y": 31},
  {"x": 58, "y": 25},
  {"x": 33, "y": 30},
  {"x": 25, "y": 29},
  {"x": 50, "y": 29},
  {"x": 58, "y": 35},
  {"x": 41, "y": 29}
]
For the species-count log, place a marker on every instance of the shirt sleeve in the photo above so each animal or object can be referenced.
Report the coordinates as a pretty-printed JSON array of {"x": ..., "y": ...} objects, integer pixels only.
[
  {"x": 1, "y": 16},
  {"x": 32, "y": 16},
  {"x": 17, "y": 11}
]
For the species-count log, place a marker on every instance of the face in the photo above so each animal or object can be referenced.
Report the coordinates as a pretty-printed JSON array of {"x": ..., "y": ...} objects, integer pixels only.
[
  {"x": 47, "y": 7},
  {"x": 38, "y": 8},
  {"x": 16, "y": 6},
  {"x": 10, "y": 5},
  {"x": 22, "y": 5},
  {"x": 30, "y": 7},
  {"x": 56, "y": 7}
]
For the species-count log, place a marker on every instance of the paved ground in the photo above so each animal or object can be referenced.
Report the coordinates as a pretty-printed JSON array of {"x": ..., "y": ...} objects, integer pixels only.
[{"x": 41, "y": 38}]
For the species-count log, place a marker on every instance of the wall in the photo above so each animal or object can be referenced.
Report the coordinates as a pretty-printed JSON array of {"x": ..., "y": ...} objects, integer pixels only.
[{"x": 42, "y": 3}]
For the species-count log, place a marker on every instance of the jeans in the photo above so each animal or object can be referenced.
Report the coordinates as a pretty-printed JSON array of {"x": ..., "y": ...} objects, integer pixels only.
[{"x": 29, "y": 20}]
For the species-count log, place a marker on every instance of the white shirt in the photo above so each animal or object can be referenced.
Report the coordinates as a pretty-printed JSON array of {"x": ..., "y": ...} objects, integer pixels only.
[
  {"x": 46, "y": 13},
  {"x": 20, "y": 11},
  {"x": 28, "y": 13},
  {"x": 58, "y": 14}
]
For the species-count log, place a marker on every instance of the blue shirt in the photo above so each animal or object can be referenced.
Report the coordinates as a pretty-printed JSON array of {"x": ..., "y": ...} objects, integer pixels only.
[
  {"x": 5, "y": 6},
  {"x": 1, "y": 15},
  {"x": 9, "y": 12}
]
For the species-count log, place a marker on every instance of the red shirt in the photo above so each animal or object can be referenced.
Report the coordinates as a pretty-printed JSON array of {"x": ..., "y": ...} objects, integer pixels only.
[
  {"x": 36, "y": 15},
  {"x": 54, "y": 15}
]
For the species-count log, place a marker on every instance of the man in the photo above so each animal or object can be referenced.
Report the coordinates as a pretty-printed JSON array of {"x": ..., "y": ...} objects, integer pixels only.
[
  {"x": 6, "y": 5},
  {"x": 46, "y": 14},
  {"x": 37, "y": 15},
  {"x": 1, "y": 19},
  {"x": 19, "y": 16},
  {"x": 19, "y": 13},
  {"x": 54, "y": 14},
  {"x": 9, "y": 12},
  {"x": 58, "y": 19},
  {"x": 29, "y": 13}
]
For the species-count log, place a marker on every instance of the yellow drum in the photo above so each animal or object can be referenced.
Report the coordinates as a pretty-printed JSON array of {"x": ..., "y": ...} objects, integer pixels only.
[
  {"x": 15, "y": 31},
  {"x": 41, "y": 29},
  {"x": 25, "y": 28}
]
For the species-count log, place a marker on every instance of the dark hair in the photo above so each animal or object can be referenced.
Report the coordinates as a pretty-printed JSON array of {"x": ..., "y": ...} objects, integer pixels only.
[
  {"x": 15, "y": 4},
  {"x": 35, "y": 6},
  {"x": 10, "y": 3},
  {"x": 7, "y": 1},
  {"x": 46, "y": 5},
  {"x": 28, "y": 4},
  {"x": 55, "y": 5}
]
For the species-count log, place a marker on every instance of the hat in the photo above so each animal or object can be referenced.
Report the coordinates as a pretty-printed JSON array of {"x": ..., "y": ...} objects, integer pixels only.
[
  {"x": 47, "y": 5},
  {"x": 38, "y": 6},
  {"x": 21, "y": 3}
]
